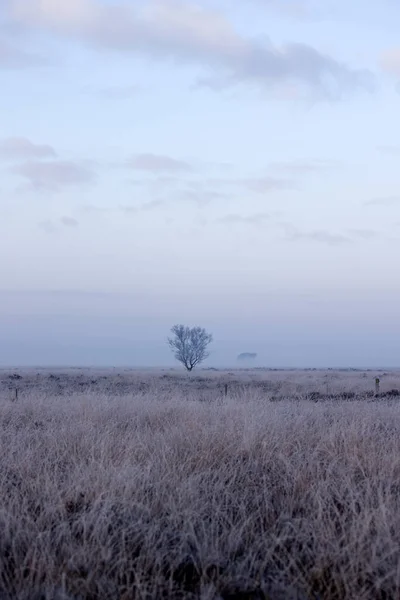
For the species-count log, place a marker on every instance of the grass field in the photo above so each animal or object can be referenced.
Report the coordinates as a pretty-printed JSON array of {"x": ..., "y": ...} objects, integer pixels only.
[{"x": 130, "y": 484}]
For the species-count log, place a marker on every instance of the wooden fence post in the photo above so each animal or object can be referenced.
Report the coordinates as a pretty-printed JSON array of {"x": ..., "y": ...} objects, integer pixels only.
[
  {"x": 226, "y": 390},
  {"x": 377, "y": 381}
]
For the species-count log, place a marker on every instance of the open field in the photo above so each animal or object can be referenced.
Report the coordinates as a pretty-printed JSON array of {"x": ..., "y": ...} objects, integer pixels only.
[
  {"x": 153, "y": 484},
  {"x": 202, "y": 384}
]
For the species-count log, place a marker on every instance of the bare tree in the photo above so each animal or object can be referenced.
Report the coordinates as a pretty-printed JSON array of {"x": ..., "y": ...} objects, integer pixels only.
[{"x": 189, "y": 345}]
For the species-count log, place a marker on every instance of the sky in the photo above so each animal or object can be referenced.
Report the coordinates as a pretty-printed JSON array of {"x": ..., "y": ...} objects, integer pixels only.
[{"x": 233, "y": 165}]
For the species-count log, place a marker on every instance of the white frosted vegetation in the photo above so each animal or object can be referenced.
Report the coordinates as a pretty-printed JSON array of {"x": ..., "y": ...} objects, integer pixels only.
[{"x": 157, "y": 494}]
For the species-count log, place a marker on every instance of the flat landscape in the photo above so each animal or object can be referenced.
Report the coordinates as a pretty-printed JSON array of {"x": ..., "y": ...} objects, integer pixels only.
[{"x": 232, "y": 485}]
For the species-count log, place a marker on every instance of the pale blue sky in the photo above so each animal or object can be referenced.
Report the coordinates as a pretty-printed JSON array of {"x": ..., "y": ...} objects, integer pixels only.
[{"x": 232, "y": 165}]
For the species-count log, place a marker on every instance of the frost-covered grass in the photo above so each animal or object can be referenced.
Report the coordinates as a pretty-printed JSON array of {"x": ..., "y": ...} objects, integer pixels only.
[{"x": 160, "y": 495}]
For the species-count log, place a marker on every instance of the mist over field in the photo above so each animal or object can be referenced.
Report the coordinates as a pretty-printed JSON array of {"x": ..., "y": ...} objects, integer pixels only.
[{"x": 286, "y": 330}]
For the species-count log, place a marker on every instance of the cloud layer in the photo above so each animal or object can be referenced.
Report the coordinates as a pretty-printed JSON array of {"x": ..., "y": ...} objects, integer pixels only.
[
  {"x": 22, "y": 148},
  {"x": 40, "y": 167},
  {"x": 54, "y": 175},
  {"x": 185, "y": 32},
  {"x": 15, "y": 58},
  {"x": 51, "y": 226}
]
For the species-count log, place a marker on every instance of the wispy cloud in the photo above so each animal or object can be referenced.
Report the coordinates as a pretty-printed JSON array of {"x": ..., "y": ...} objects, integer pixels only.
[
  {"x": 127, "y": 209},
  {"x": 201, "y": 196},
  {"x": 54, "y": 175},
  {"x": 293, "y": 233},
  {"x": 320, "y": 236},
  {"x": 151, "y": 205},
  {"x": 277, "y": 176},
  {"x": 52, "y": 226},
  {"x": 305, "y": 167},
  {"x": 183, "y": 189},
  {"x": 364, "y": 234},
  {"x": 22, "y": 148},
  {"x": 15, "y": 58},
  {"x": 155, "y": 163},
  {"x": 389, "y": 150},
  {"x": 189, "y": 185},
  {"x": 187, "y": 32},
  {"x": 69, "y": 222},
  {"x": 383, "y": 201},
  {"x": 146, "y": 206}
]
